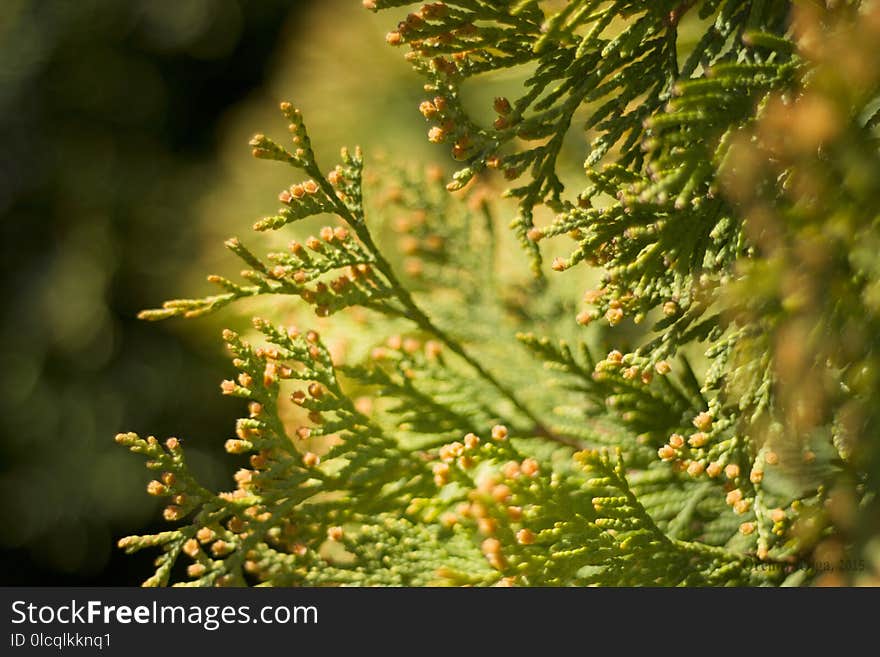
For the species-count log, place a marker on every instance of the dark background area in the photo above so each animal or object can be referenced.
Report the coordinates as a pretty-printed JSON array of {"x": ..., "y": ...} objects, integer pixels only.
[{"x": 108, "y": 115}]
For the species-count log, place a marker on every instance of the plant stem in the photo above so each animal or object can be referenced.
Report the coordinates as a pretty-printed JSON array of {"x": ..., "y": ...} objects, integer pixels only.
[{"x": 421, "y": 319}]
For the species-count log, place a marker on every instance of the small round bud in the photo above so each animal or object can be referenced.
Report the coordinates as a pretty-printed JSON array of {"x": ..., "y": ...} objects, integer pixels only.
[
  {"x": 731, "y": 471},
  {"x": 525, "y": 537},
  {"x": 334, "y": 177},
  {"x": 156, "y": 488},
  {"x": 756, "y": 476},
  {"x": 501, "y": 493},
  {"x": 510, "y": 470},
  {"x": 205, "y": 534},
  {"x": 742, "y": 506},
  {"x": 499, "y": 432},
  {"x": 663, "y": 368},
  {"x": 676, "y": 441},
  {"x": 191, "y": 547},
  {"x": 535, "y": 234},
  {"x": 172, "y": 512},
  {"x": 486, "y": 526},
  {"x": 614, "y": 316},
  {"x": 747, "y": 528},
  {"x": 734, "y": 496},
  {"x": 501, "y": 105},
  {"x": 310, "y": 459},
  {"x": 584, "y": 317},
  {"x": 614, "y": 357},
  {"x": 335, "y": 533},
  {"x": 441, "y": 473},
  {"x": 699, "y": 439},
  {"x": 196, "y": 570},
  {"x": 220, "y": 548},
  {"x": 630, "y": 373},
  {"x": 695, "y": 469},
  {"x": 529, "y": 467},
  {"x": 471, "y": 441},
  {"x": 666, "y": 453},
  {"x": 703, "y": 421},
  {"x": 771, "y": 458}
]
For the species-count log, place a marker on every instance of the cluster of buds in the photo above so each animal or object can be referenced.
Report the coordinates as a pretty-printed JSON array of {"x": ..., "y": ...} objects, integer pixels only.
[
  {"x": 737, "y": 499},
  {"x": 626, "y": 365},
  {"x": 528, "y": 467},
  {"x": 298, "y": 134},
  {"x": 503, "y": 108},
  {"x": 407, "y": 347},
  {"x": 324, "y": 295},
  {"x": 703, "y": 457},
  {"x": 299, "y": 191},
  {"x": 614, "y": 309},
  {"x": 266, "y": 149},
  {"x": 431, "y": 109},
  {"x": 316, "y": 392},
  {"x": 436, "y": 110},
  {"x": 248, "y": 428},
  {"x": 495, "y": 501},
  {"x": 413, "y": 22}
]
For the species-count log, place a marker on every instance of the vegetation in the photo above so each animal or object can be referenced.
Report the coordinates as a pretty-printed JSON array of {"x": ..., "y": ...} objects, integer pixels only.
[{"x": 702, "y": 415}]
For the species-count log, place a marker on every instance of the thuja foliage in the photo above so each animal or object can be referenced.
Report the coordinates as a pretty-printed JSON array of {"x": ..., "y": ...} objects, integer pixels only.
[{"x": 725, "y": 433}]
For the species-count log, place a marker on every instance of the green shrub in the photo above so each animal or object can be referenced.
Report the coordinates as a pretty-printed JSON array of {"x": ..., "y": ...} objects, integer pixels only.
[{"x": 459, "y": 425}]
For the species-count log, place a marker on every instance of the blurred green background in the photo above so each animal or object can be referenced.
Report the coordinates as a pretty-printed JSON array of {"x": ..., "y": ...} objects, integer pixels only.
[{"x": 124, "y": 164}]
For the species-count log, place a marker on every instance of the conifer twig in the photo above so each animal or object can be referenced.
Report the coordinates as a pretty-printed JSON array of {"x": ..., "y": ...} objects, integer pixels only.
[{"x": 420, "y": 318}]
